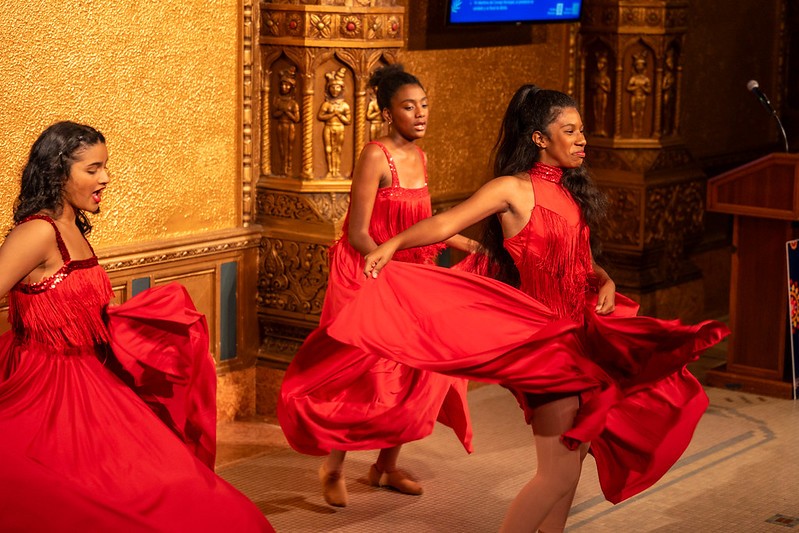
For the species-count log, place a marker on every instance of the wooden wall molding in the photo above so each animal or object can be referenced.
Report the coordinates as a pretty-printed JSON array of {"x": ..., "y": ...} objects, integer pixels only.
[{"x": 158, "y": 253}]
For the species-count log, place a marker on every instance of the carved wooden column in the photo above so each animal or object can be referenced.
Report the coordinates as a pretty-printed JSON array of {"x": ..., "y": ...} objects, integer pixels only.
[
  {"x": 630, "y": 77},
  {"x": 315, "y": 60}
]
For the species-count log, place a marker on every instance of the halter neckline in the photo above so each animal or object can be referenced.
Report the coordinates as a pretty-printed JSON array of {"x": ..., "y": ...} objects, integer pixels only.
[{"x": 546, "y": 172}]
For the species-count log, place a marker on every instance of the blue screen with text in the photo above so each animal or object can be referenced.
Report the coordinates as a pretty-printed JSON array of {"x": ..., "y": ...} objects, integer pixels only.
[{"x": 482, "y": 11}]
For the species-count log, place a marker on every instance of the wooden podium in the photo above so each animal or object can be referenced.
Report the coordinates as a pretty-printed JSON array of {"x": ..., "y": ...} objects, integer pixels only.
[{"x": 764, "y": 197}]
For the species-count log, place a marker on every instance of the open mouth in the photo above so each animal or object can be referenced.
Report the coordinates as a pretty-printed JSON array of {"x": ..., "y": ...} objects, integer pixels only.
[{"x": 97, "y": 195}]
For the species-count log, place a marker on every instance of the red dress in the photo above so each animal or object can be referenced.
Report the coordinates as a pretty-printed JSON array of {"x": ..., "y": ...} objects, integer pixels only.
[
  {"x": 102, "y": 440},
  {"x": 639, "y": 404},
  {"x": 338, "y": 397}
]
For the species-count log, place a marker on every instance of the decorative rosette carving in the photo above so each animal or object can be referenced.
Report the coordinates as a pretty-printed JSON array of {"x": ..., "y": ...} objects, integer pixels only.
[
  {"x": 350, "y": 26},
  {"x": 271, "y": 22},
  {"x": 393, "y": 26},
  {"x": 374, "y": 26},
  {"x": 294, "y": 24},
  {"x": 320, "y": 26}
]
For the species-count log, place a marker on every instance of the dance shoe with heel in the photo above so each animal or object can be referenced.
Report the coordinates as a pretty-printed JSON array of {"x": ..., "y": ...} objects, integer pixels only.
[{"x": 396, "y": 480}]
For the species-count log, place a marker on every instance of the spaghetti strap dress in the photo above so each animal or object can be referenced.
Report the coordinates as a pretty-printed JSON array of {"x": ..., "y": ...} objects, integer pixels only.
[
  {"x": 336, "y": 396},
  {"x": 107, "y": 414},
  {"x": 639, "y": 405}
]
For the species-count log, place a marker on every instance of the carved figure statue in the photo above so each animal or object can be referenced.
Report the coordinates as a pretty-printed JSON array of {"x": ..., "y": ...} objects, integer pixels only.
[
  {"x": 669, "y": 92},
  {"x": 335, "y": 112},
  {"x": 374, "y": 116},
  {"x": 287, "y": 112},
  {"x": 600, "y": 86},
  {"x": 639, "y": 86}
]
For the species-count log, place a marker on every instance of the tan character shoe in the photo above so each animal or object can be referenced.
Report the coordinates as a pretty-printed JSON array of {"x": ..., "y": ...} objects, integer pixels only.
[{"x": 396, "y": 480}]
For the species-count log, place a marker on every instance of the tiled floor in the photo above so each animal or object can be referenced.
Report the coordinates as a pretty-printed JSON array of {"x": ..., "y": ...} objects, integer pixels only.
[{"x": 740, "y": 474}]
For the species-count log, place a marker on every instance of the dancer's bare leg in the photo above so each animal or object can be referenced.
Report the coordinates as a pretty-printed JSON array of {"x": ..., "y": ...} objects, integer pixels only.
[
  {"x": 558, "y": 468},
  {"x": 335, "y": 461},
  {"x": 555, "y": 522},
  {"x": 387, "y": 460}
]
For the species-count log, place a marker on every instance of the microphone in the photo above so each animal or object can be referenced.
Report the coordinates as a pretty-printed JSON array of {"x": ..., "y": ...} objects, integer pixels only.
[{"x": 754, "y": 88}]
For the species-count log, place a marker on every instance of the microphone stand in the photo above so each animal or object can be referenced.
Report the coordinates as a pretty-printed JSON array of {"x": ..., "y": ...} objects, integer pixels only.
[
  {"x": 754, "y": 88},
  {"x": 782, "y": 131}
]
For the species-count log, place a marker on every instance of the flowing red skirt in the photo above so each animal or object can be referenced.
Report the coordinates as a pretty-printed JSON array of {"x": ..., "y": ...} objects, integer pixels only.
[
  {"x": 336, "y": 396},
  {"x": 639, "y": 404},
  {"x": 81, "y": 451}
]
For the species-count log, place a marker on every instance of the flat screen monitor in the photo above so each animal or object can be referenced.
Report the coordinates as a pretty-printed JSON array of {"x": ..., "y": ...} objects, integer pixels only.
[{"x": 512, "y": 11}]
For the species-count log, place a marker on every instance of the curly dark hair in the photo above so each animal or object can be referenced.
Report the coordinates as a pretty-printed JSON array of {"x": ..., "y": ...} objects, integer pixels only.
[
  {"x": 48, "y": 167},
  {"x": 534, "y": 109},
  {"x": 387, "y": 81}
]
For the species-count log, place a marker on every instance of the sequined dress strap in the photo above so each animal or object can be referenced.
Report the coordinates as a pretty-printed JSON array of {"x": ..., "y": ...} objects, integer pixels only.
[
  {"x": 62, "y": 248},
  {"x": 68, "y": 266},
  {"x": 391, "y": 165}
]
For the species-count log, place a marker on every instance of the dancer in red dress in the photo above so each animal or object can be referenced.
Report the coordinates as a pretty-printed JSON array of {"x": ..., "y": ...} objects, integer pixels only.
[
  {"x": 589, "y": 374},
  {"x": 335, "y": 397},
  {"x": 107, "y": 415}
]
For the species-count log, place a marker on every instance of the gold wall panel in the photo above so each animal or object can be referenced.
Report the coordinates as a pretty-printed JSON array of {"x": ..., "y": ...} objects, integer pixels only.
[{"x": 160, "y": 79}]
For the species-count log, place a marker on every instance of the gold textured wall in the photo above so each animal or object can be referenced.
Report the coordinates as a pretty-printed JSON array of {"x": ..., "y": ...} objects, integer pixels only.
[
  {"x": 159, "y": 79},
  {"x": 469, "y": 89}
]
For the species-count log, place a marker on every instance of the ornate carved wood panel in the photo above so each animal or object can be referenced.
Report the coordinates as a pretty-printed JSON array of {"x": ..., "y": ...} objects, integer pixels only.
[{"x": 315, "y": 61}]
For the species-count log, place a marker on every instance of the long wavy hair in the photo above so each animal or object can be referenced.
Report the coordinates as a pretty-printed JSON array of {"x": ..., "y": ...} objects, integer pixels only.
[
  {"x": 47, "y": 170},
  {"x": 533, "y": 109}
]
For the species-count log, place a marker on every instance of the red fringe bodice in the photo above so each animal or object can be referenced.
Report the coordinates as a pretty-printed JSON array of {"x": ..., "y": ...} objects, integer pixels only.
[
  {"x": 552, "y": 252},
  {"x": 64, "y": 310}
]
